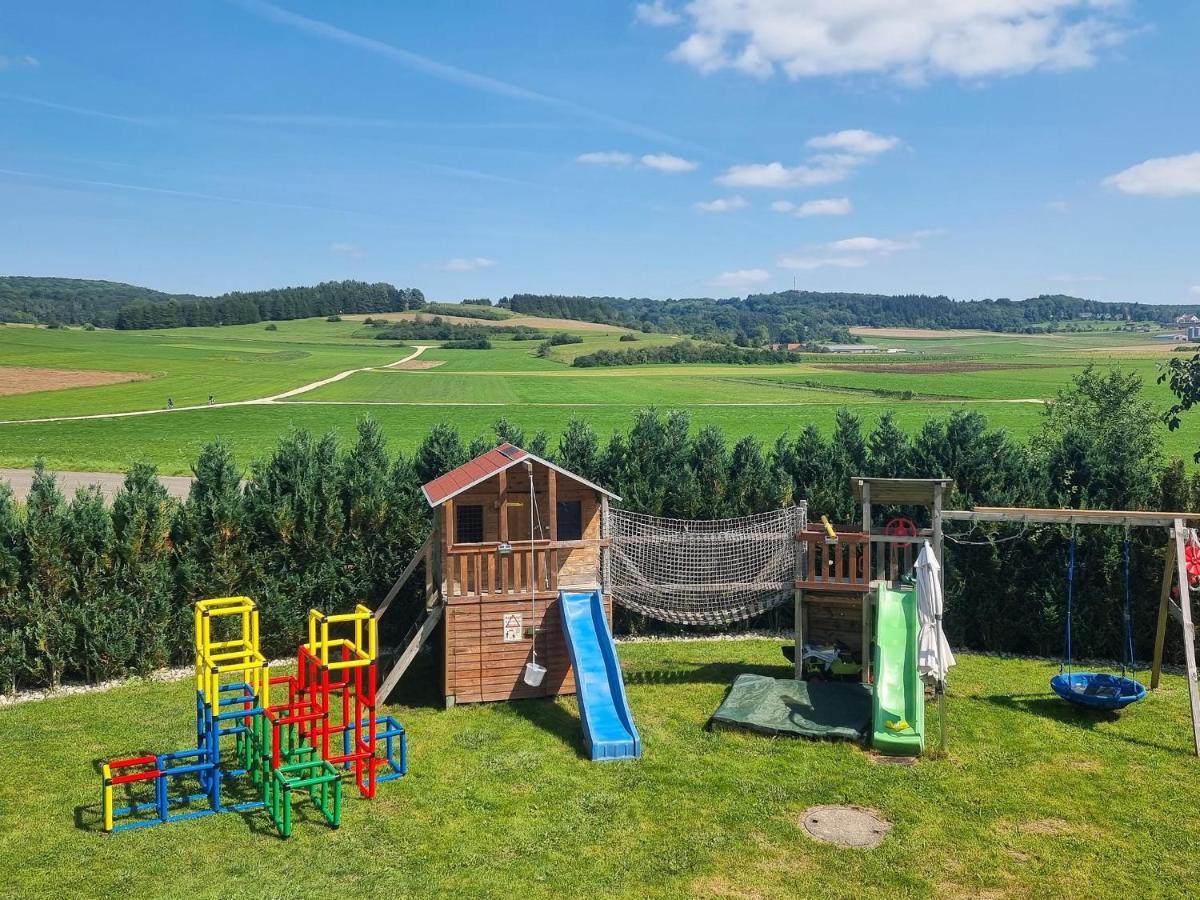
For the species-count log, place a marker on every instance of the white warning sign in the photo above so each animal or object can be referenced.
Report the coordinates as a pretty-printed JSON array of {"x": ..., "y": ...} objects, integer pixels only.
[{"x": 513, "y": 627}]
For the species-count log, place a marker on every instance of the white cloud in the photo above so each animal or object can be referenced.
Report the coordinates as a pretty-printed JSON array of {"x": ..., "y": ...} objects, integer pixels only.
[
  {"x": 1058, "y": 206},
  {"x": 856, "y": 147},
  {"x": 1195, "y": 289},
  {"x": 1165, "y": 176},
  {"x": 741, "y": 278},
  {"x": 777, "y": 175},
  {"x": 870, "y": 245},
  {"x": 721, "y": 204},
  {"x": 345, "y": 249},
  {"x": 848, "y": 253},
  {"x": 1069, "y": 278},
  {"x": 656, "y": 13},
  {"x": 665, "y": 162},
  {"x": 854, "y": 140},
  {"x": 820, "y": 262},
  {"x": 18, "y": 62},
  {"x": 605, "y": 158},
  {"x": 911, "y": 41},
  {"x": 831, "y": 206},
  {"x": 467, "y": 264}
]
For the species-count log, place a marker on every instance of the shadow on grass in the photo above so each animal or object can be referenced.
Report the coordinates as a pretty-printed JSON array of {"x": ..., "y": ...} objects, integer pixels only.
[
  {"x": 552, "y": 718},
  {"x": 419, "y": 685},
  {"x": 1052, "y": 707},
  {"x": 709, "y": 673}
]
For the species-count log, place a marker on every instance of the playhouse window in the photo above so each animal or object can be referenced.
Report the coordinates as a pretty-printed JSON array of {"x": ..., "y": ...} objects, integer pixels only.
[
  {"x": 468, "y": 525},
  {"x": 570, "y": 520}
]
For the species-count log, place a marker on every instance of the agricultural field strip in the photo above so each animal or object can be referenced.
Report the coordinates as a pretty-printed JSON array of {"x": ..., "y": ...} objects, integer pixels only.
[
  {"x": 735, "y": 386},
  {"x": 274, "y": 398}
]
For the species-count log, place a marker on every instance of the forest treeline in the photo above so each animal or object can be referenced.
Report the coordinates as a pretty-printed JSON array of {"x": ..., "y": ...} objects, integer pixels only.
[
  {"x": 329, "y": 298},
  {"x": 685, "y": 351},
  {"x": 109, "y": 304},
  {"x": 90, "y": 591},
  {"x": 799, "y": 316},
  {"x": 72, "y": 301}
]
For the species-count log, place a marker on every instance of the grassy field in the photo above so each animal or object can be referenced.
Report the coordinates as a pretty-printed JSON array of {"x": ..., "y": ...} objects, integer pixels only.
[
  {"x": 1007, "y": 377},
  {"x": 1035, "y": 799}
]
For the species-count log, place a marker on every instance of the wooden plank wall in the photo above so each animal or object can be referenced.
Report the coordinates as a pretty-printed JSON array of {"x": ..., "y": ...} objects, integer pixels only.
[
  {"x": 482, "y": 666},
  {"x": 834, "y": 618}
]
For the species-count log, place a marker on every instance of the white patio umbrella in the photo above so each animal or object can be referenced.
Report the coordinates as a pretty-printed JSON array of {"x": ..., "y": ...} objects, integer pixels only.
[{"x": 934, "y": 657}]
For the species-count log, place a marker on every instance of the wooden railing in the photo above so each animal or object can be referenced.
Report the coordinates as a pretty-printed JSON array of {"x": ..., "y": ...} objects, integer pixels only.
[
  {"x": 894, "y": 555},
  {"x": 481, "y": 570},
  {"x": 845, "y": 563}
]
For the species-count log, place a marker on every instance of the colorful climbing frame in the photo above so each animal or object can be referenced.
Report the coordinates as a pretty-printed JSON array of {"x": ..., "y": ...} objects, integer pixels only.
[{"x": 268, "y": 754}]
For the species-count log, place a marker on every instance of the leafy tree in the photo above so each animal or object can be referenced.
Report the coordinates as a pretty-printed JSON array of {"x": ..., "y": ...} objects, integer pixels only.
[
  {"x": 1100, "y": 443},
  {"x": 1183, "y": 377}
]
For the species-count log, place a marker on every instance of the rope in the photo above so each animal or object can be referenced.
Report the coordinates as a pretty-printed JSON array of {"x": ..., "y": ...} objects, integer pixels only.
[
  {"x": 1128, "y": 614},
  {"x": 990, "y": 541},
  {"x": 1070, "y": 603},
  {"x": 703, "y": 572}
]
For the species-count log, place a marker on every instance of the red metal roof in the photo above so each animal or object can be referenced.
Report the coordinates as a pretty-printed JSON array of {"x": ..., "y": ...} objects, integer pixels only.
[{"x": 484, "y": 467}]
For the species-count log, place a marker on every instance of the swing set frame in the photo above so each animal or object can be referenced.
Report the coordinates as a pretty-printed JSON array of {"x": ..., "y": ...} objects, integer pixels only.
[{"x": 1175, "y": 524}]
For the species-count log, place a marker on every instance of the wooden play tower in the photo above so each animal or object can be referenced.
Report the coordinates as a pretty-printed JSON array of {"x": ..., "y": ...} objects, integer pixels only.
[{"x": 510, "y": 531}]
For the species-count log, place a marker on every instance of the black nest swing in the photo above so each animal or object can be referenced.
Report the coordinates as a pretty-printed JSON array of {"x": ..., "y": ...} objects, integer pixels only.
[{"x": 1098, "y": 690}]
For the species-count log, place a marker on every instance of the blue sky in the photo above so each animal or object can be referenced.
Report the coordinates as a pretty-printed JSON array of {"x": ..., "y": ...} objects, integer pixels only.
[{"x": 977, "y": 148}]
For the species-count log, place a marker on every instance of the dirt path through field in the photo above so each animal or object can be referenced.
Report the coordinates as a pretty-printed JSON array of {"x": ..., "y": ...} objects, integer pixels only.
[{"x": 418, "y": 349}]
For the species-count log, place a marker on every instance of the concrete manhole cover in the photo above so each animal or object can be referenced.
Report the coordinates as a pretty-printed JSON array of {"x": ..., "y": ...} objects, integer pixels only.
[{"x": 846, "y": 826}]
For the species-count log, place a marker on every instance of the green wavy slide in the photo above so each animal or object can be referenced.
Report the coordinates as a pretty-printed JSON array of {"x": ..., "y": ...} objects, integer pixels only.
[{"x": 898, "y": 712}]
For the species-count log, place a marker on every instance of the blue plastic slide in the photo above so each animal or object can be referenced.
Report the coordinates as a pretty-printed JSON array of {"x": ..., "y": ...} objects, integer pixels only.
[{"x": 608, "y": 730}]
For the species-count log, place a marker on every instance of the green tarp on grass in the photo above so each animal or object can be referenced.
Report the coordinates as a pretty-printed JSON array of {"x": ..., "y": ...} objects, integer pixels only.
[{"x": 821, "y": 709}]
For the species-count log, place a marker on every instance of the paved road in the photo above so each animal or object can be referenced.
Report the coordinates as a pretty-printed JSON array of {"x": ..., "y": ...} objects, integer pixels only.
[
  {"x": 418, "y": 349},
  {"x": 110, "y": 482}
]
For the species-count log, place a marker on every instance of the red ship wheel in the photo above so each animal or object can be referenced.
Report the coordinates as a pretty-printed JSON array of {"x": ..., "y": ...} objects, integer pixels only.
[
  {"x": 1191, "y": 558},
  {"x": 901, "y": 526}
]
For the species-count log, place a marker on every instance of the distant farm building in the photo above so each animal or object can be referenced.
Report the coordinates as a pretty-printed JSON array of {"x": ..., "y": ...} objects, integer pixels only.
[
  {"x": 792, "y": 347},
  {"x": 1186, "y": 319},
  {"x": 850, "y": 348},
  {"x": 1193, "y": 333}
]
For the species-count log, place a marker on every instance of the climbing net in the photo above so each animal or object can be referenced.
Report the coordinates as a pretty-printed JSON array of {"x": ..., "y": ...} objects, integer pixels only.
[{"x": 702, "y": 572}]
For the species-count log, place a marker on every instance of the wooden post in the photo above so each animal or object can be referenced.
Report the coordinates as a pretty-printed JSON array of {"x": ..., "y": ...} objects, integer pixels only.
[
  {"x": 937, "y": 545},
  {"x": 1189, "y": 631},
  {"x": 798, "y": 603},
  {"x": 1164, "y": 610},
  {"x": 502, "y": 522},
  {"x": 552, "y": 503},
  {"x": 867, "y": 594}
]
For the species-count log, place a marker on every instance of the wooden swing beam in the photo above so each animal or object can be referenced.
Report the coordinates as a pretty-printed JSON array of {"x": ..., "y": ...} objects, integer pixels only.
[{"x": 1174, "y": 571}]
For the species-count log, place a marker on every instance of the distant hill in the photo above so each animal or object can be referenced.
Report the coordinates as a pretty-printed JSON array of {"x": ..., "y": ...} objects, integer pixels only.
[
  {"x": 71, "y": 301},
  {"x": 797, "y": 316},
  {"x": 78, "y": 301}
]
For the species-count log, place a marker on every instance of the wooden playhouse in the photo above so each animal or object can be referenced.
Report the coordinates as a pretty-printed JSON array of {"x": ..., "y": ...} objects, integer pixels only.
[{"x": 510, "y": 531}]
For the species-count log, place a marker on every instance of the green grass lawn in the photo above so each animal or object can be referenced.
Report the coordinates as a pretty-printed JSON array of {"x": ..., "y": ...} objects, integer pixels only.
[
  {"x": 186, "y": 364},
  {"x": 472, "y": 389},
  {"x": 173, "y": 441},
  {"x": 1035, "y": 799}
]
